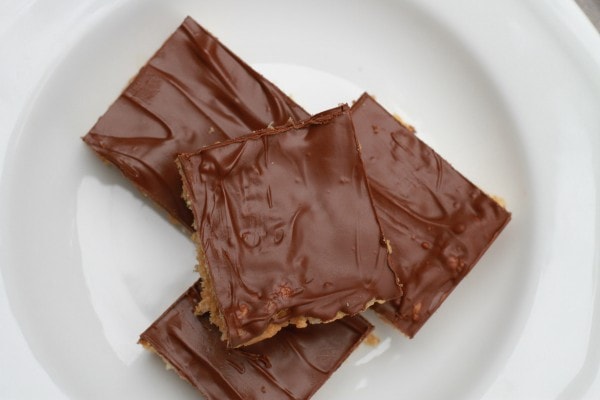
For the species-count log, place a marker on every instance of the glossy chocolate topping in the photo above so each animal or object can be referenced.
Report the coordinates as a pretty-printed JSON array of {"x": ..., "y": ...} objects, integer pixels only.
[
  {"x": 437, "y": 222},
  {"x": 291, "y": 365},
  {"x": 287, "y": 225},
  {"x": 193, "y": 92}
]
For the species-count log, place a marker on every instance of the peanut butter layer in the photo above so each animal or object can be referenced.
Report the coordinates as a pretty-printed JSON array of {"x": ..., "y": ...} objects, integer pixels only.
[
  {"x": 436, "y": 222},
  {"x": 292, "y": 365},
  {"x": 191, "y": 93},
  {"x": 287, "y": 228}
]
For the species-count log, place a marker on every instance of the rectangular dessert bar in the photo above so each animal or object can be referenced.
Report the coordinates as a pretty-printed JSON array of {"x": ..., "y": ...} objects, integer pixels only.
[
  {"x": 437, "y": 223},
  {"x": 191, "y": 93},
  {"x": 286, "y": 233},
  {"x": 292, "y": 365}
]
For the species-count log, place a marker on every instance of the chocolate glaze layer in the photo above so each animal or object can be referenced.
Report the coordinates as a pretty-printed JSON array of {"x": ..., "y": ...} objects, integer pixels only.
[
  {"x": 287, "y": 226},
  {"x": 291, "y": 365},
  {"x": 438, "y": 223},
  {"x": 191, "y": 93}
]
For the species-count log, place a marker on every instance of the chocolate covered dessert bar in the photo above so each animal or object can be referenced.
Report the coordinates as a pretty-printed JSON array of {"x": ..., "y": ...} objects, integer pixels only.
[
  {"x": 436, "y": 222},
  {"x": 292, "y": 365},
  {"x": 193, "y": 92},
  {"x": 286, "y": 230}
]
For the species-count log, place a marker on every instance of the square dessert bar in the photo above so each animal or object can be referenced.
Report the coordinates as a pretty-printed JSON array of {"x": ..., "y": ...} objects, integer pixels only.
[
  {"x": 436, "y": 222},
  {"x": 191, "y": 93},
  {"x": 292, "y": 365},
  {"x": 286, "y": 230}
]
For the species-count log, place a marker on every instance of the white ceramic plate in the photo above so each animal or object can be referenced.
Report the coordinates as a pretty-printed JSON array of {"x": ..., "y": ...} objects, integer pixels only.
[{"x": 508, "y": 91}]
